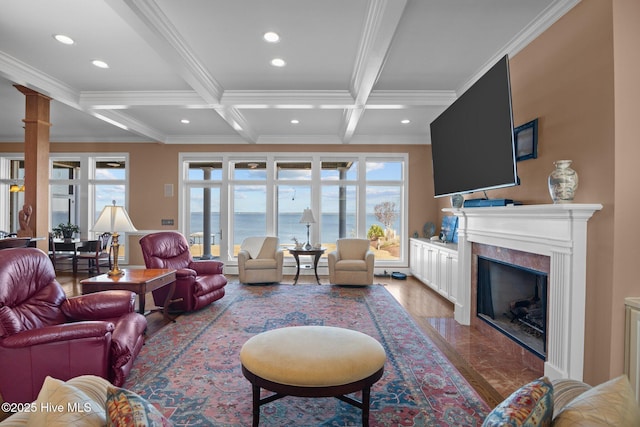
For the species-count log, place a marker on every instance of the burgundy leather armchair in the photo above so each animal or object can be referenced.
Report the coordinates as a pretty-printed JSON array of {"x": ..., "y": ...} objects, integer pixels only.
[
  {"x": 198, "y": 283},
  {"x": 42, "y": 332}
]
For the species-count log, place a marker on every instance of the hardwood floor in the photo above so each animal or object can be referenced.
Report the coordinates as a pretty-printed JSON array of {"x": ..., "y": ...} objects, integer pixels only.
[{"x": 484, "y": 364}]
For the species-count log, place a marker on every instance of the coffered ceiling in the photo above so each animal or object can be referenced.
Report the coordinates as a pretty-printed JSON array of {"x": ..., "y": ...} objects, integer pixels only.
[{"x": 355, "y": 69}]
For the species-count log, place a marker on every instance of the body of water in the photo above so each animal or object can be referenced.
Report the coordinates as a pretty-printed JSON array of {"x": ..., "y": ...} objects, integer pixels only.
[{"x": 254, "y": 224}]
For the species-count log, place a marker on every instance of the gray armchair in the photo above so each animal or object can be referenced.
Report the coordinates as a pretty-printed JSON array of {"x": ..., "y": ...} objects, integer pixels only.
[
  {"x": 351, "y": 263},
  {"x": 260, "y": 260}
]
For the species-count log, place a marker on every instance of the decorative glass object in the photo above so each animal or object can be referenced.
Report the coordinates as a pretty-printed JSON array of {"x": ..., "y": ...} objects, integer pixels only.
[
  {"x": 563, "y": 182},
  {"x": 457, "y": 201}
]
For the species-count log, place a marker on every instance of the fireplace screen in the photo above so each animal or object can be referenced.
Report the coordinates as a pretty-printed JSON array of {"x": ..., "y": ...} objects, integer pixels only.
[{"x": 513, "y": 300}]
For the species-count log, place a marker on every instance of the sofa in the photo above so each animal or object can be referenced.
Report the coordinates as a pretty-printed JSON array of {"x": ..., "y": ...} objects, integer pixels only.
[
  {"x": 86, "y": 401},
  {"x": 568, "y": 403},
  {"x": 260, "y": 260},
  {"x": 44, "y": 333},
  {"x": 198, "y": 283}
]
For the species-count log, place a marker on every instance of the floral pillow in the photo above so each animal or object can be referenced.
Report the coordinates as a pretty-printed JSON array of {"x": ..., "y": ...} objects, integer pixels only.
[
  {"x": 529, "y": 406},
  {"x": 127, "y": 409}
]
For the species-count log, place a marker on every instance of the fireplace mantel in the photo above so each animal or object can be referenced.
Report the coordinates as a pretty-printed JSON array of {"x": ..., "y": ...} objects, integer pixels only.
[{"x": 558, "y": 231}]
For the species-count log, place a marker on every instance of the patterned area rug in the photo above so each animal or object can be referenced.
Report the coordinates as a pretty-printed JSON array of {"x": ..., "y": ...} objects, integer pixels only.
[{"x": 191, "y": 369}]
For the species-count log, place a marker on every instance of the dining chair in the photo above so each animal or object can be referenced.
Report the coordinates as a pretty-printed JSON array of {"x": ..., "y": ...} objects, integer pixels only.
[
  {"x": 57, "y": 256},
  {"x": 95, "y": 253}
]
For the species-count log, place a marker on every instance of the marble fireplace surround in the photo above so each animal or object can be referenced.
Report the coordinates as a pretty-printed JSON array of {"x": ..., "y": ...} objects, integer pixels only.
[{"x": 558, "y": 231}]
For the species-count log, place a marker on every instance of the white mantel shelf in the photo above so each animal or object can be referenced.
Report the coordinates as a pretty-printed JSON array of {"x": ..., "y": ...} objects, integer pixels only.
[{"x": 555, "y": 230}]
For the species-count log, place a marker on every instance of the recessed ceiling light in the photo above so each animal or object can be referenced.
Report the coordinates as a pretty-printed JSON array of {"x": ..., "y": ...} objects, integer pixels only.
[
  {"x": 295, "y": 121},
  {"x": 63, "y": 39},
  {"x": 278, "y": 62},
  {"x": 271, "y": 37},
  {"x": 405, "y": 121},
  {"x": 100, "y": 64},
  {"x": 185, "y": 121}
]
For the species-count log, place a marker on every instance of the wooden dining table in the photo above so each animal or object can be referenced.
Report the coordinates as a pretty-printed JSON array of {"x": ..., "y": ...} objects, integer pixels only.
[{"x": 15, "y": 242}]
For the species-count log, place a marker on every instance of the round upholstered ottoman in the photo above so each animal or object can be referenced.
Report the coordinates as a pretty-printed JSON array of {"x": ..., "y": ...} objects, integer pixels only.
[{"x": 312, "y": 361}]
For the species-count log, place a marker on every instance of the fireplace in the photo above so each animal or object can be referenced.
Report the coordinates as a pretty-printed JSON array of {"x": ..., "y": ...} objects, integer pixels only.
[
  {"x": 513, "y": 300},
  {"x": 554, "y": 234}
]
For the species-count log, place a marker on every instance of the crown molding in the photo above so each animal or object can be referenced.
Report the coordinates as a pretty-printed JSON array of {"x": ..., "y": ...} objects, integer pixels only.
[
  {"x": 287, "y": 99},
  {"x": 20, "y": 73},
  {"x": 110, "y": 100},
  {"x": 411, "y": 98},
  {"x": 206, "y": 139},
  {"x": 543, "y": 21}
]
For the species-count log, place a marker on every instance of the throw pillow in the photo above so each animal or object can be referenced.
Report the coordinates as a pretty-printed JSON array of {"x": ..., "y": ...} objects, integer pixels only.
[
  {"x": 63, "y": 405},
  {"x": 611, "y": 403},
  {"x": 128, "y": 409},
  {"x": 564, "y": 391},
  {"x": 253, "y": 245},
  {"x": 530, "y": 405}
]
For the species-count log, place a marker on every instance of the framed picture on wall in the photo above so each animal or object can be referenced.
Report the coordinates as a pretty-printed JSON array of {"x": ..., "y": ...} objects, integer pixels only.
[{"x": 526, "y": 140}]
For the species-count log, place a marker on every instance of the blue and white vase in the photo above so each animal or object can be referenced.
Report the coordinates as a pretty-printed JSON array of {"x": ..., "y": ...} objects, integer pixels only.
[{"x": 563, "y": 182}]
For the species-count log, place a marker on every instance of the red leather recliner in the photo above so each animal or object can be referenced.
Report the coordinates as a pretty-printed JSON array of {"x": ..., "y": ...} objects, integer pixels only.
[
  {"x": 42, "y": 332},
  {"x": 198, "y": 283}
]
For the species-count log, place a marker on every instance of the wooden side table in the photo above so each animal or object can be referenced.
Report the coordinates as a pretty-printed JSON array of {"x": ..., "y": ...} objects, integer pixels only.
[
  {"x": 315, "y": 253},
  {"x": 139, "y": 281}
]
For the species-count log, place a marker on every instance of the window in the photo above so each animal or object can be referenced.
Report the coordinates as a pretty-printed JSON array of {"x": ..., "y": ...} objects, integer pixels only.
[
  {"x": 80, "y": 185},
  {"x": 11, "y": 192},
  {"x": 248, "y": 211},
  {"x": 64, "y": 192},
  {"x": 266, "y": 193},
  {"x": 203, "y": 208},
  {"x": 384, "y": 201},
  {"x": 293, "y": 187},
  {"x": 339, "y": 199}
]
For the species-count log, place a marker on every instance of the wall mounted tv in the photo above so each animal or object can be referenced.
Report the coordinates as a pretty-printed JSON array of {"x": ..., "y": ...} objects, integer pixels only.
[{"x": 472, "y": 140}]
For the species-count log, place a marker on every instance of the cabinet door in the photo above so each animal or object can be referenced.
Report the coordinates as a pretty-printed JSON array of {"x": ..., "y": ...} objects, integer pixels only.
[
  {"x": 453, "y": 279},
  {"x": 431, "y": 267},
  {"x": 416, "y": 259},
  {"x": 444, "y": 273}
]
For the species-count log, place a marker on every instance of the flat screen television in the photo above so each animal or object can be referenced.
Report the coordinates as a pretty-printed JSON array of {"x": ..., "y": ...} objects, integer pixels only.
[{"x": 472, "y": 140}]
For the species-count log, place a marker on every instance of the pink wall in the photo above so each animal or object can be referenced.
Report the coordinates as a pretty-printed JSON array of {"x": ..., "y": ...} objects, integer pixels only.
[
  {"x": 626, "y": 233},
  {"x": 580, "y": 79}
]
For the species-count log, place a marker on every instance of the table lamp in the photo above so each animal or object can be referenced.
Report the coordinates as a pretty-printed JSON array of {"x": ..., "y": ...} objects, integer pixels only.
[
  {"x": 114, "y": 219},
  {"x": 307, "y": 217}
]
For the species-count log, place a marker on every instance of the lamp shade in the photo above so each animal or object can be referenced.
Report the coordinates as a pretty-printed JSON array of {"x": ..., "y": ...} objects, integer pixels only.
[
  {"x": 307, "y": 217},
  {"x": 114, "y": 219}
]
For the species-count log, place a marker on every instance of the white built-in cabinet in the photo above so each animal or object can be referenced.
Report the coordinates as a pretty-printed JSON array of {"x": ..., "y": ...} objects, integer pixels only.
[
  {"x": 632, "y": 344},
  {"x": 435, "y": 264}
]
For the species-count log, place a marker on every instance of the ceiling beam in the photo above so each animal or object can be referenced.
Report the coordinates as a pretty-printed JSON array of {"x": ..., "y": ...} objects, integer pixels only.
[
  {"x": 148, "y": 19},
  {"x": 25, "y": 75},
  {"x": 123, "y": 99},
  {"x": 124, "y": 121},
  {"x": 382, "y": 20}
]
